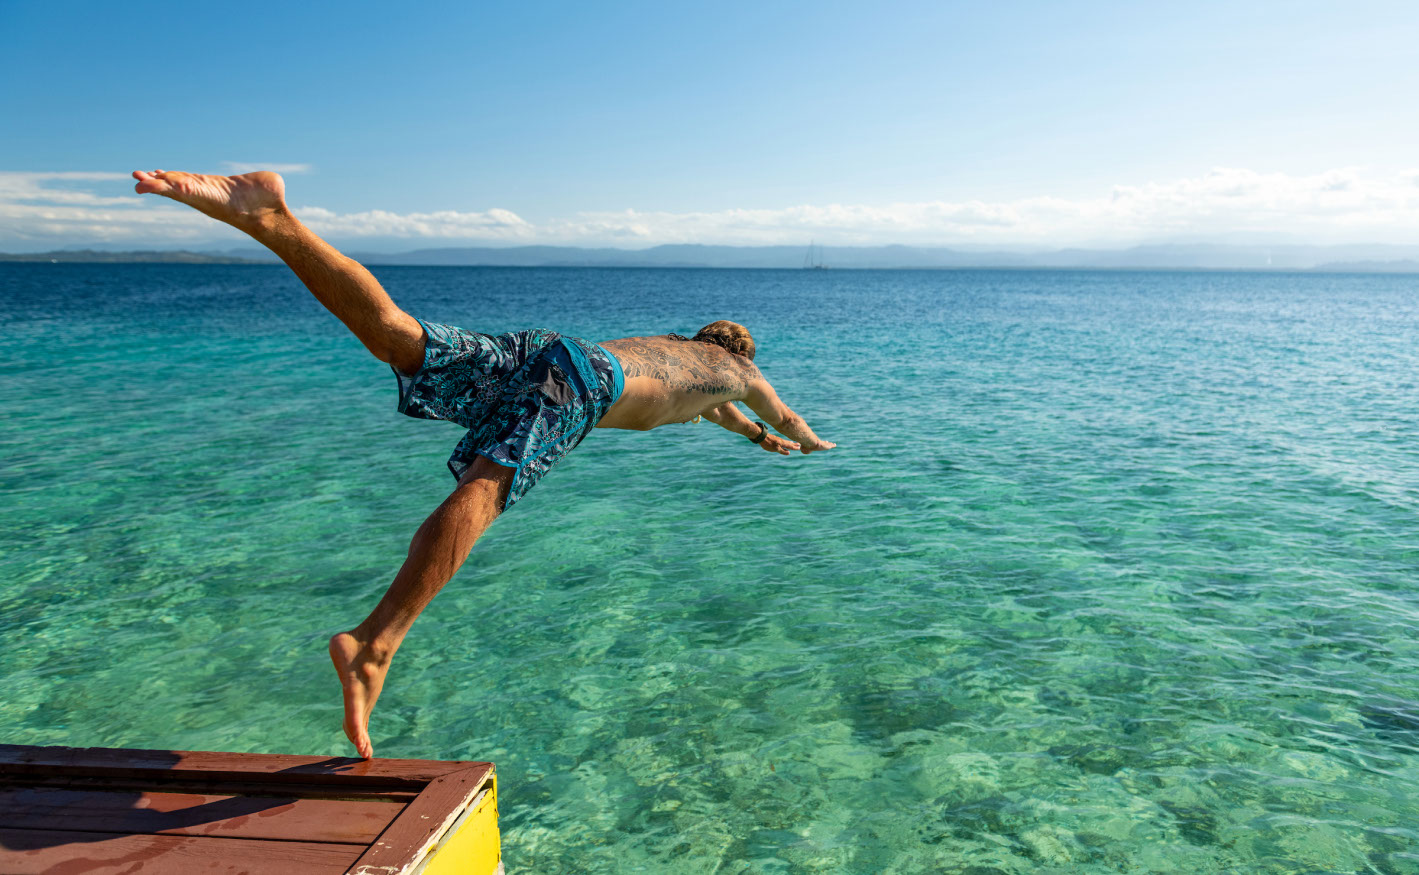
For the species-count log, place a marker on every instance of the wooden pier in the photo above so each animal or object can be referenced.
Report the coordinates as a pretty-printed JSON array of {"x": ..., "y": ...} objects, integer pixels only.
[{"x": 160, "y": 812}]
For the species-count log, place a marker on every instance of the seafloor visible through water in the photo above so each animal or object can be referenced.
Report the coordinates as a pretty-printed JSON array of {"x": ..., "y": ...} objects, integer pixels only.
[{"x": 1111, "y": 572}]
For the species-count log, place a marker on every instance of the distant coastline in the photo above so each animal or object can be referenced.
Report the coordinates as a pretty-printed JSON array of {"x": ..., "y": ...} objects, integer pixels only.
[
  {"x": 94, "y": 256},
  {"x": 1325, "y": 259}
]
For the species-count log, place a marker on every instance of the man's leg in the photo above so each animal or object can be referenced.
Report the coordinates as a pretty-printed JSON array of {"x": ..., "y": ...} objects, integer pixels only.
[
  {"x": 362, "y": 655},
  {"x": 256, "y": 204}
]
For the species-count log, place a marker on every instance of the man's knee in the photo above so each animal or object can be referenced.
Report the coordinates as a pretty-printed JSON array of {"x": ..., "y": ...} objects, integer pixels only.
[{"x": 487, "y": 480}]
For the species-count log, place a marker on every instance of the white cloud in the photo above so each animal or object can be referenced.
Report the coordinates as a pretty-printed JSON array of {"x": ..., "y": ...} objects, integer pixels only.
[
  {"x": 57, "y": 209},
  {"x": 494, "y": 224},
  {"x": 55, "y": 188},
  {"x": 250, "y": 166},
  {"x": 1339, "y": 205}
]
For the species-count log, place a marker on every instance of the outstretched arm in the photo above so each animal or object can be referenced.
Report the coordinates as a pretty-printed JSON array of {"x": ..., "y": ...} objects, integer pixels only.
[
  {"x": 763, "y": 400},
  {"x": 728, "y": 416}
]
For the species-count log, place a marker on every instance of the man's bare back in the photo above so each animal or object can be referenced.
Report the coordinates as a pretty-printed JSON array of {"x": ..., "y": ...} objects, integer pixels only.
[{"x": 670, "y": 380}]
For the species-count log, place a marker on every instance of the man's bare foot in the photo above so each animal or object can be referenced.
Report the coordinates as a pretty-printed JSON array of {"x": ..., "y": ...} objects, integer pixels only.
[
  {"x": 241, "y": 201},
  {"x": 361, "y": 678}
]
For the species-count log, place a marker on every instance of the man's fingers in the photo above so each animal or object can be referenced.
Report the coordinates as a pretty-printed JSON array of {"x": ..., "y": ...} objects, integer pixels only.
[{"x": 780, "y": 446}]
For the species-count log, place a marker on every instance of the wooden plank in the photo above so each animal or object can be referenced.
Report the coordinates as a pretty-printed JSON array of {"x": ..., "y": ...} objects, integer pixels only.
[
  {"x": 308, "y": 820},
  {"x": 215, "y": 788},
  {"x": 17, "y": 759},
  {"x": 422, "y": 822},
  {"x": 52, "y": 852}
]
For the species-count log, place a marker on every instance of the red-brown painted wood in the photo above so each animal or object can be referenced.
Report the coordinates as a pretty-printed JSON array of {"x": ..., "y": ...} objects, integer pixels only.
[
  {"x": 16, "y": 759},
  {"x": 52, "y": 852},
  {"x": 151, "y": 811},
  {"x": 250, "y": 817},
  {"x": 254, "y": 787}
]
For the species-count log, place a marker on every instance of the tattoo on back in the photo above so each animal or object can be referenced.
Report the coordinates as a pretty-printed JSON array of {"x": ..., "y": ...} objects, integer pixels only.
[{"x": 691, "y": 367}]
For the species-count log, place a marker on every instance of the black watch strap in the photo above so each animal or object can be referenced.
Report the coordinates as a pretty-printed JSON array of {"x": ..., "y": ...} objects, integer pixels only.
[{"x": 763, "y": 433}]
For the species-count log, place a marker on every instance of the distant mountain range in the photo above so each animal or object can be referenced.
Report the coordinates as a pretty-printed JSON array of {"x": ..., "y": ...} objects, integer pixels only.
[
  {"x": 1176, "y": 256},
  {"x": 98, "y": 256}
]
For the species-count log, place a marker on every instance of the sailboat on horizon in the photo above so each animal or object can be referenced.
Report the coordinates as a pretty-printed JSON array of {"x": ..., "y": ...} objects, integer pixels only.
[{"x": 814, "y": 259}]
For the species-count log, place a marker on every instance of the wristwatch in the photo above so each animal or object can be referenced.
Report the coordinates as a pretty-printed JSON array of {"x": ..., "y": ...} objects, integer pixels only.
[{"x": 763, "y": 433}]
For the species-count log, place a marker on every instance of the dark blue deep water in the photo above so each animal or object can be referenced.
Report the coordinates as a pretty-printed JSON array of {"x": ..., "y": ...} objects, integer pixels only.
[{"x": 1111, "y": 572}]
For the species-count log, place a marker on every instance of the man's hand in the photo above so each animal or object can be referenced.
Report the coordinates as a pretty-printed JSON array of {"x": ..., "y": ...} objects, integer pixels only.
[
  {"x": 813, "y": 446},
  {"x": 775, "y": 444},
  {"x": 763, "y": 400},
  {"x": 728, "y": 416}
]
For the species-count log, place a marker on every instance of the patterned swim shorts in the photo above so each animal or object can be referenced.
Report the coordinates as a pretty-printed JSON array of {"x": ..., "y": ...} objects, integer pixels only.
[{"x": 527, "y": 398}]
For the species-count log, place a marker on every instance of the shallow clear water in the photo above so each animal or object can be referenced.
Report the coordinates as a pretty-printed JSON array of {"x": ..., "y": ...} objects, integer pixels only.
[{"x": 1110, "y": 572}]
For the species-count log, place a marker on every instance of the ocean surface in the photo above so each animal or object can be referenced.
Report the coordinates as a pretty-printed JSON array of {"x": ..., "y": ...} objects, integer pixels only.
[{"x": 1110, "y": 572}]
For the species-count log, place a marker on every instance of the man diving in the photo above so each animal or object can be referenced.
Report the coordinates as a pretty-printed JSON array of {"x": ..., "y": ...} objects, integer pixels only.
[{"x": 527, "y": 398}]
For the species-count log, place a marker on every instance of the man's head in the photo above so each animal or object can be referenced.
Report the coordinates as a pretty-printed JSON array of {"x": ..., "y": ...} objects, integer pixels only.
[{"x": 730, "y": 335}]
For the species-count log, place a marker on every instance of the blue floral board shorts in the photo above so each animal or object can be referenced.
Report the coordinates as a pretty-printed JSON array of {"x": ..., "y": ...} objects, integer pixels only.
[{"x": 527, "y": 398}]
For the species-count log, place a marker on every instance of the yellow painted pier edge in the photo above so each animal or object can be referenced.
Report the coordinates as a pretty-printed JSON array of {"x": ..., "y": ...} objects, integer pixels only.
[{"x": 472, "y": 845}]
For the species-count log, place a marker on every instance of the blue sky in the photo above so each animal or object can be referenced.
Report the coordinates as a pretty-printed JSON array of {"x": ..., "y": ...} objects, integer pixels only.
[{"x": 629, "y": 124}]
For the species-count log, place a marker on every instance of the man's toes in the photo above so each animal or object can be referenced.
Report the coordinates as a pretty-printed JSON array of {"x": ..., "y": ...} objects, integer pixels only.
[{"x": 148, "y": 183}]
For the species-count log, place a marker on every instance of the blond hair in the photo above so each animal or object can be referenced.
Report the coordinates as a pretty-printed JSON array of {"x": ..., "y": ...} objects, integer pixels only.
[{"x": 730, "y": 335}]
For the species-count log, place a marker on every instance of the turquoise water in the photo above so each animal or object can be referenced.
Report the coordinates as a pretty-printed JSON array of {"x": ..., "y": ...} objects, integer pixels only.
[{"x": 1110, "y": 572}]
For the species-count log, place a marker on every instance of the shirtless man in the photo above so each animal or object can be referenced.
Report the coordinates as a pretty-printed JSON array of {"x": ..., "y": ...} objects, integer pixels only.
[{"x": 526, "y": 398}]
